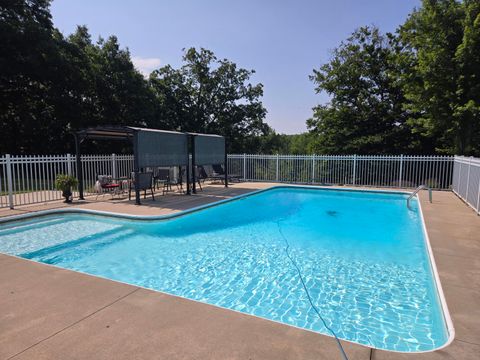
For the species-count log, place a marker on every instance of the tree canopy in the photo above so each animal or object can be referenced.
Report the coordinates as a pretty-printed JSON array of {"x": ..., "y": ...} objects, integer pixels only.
[
  {"x": 415, "y": 91},
  {"x": 212, "y": 96},
  {"x": 365, "y": 113},
  {"x": 51, "y": 84}
]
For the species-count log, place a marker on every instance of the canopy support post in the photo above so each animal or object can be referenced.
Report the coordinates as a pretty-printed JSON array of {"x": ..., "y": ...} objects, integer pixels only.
[
  {"x": 225, "y": 163},
  {"x": 136, "y": 168},
  {"x": 187, "y": 173},
  {"x": 194, "y": 165},
  {"x": 78, "y": 158}
]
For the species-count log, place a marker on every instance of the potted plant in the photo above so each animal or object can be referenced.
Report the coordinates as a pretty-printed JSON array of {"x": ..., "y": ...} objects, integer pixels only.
[{"x": 65, "y": 183}]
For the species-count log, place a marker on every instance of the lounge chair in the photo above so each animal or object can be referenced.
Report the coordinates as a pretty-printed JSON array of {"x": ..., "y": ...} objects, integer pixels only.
[
  {"x": 219, "y": 172},
  {"x": 145, "y": 182}
]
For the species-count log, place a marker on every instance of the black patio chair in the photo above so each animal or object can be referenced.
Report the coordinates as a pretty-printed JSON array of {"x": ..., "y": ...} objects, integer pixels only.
[
  {"x": 178, "y": 181},
  {"x": 145, "y": 182},
  {"x": 200, "y": 175},
  {"x": 162, "y": 178}
]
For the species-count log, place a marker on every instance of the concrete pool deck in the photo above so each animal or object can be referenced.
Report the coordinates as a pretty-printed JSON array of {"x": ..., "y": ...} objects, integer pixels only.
[{"x": 52, "y": 313}]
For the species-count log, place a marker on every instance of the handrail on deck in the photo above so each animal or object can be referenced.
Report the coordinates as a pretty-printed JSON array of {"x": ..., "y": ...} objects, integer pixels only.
[{"x": 415, "y": 192}]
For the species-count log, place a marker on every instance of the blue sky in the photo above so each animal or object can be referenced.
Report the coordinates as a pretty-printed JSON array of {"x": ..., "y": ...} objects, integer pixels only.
[{"x": 283, "y": 41}]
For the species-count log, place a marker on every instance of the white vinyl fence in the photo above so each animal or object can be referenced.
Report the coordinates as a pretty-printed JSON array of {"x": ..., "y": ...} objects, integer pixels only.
[
  {"x": 380, "y": 171},
  {"x": 466, "y": 180},
  {"x": 30, "y": 179}
]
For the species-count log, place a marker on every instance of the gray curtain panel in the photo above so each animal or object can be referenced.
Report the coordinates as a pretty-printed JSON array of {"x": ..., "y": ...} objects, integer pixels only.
[
  {"x": 161, "y": 148},
  {"x": 209, "y": 149}
]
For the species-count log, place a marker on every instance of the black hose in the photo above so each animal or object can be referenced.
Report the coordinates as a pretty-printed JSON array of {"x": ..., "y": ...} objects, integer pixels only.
[{"x": 287, "y": 247}]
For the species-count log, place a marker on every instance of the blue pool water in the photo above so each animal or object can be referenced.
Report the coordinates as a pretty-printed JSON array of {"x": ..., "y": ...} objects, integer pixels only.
[{"x": 362, "y": 255}]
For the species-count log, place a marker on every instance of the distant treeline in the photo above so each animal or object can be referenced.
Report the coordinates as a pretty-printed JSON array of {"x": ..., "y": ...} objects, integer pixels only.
[{"x": 415, "y": 91}]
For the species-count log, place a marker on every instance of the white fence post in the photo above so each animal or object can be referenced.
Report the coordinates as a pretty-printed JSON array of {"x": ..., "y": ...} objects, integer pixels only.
[
  {"x": 313, "y": 169},
  {"x": 9, "y": 180},
  {"x": 114, "y": 166},
  {"x": 244, "y": 166},
  {"x": 69, "y": 164},
  {"x": 468, "y": 176},
  {"x": 354, "y": 169},
  {"x": 400, "y": 175},
  {"x": 276, "y": 168},
  {"x": 459, "y": 176}
]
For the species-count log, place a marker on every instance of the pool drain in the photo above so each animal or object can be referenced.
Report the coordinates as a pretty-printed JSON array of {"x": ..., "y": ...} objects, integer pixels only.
[{"x": 287, "y": 247}]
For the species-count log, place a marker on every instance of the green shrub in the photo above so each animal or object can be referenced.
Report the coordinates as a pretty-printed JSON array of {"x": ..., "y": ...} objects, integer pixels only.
[{"x": 65, "y": 182}]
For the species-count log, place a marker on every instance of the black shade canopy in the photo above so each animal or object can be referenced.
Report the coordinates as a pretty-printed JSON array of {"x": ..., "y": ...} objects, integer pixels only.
[
  {"x": 106, "y": 133},
  {"x": 155, "y": 148}
]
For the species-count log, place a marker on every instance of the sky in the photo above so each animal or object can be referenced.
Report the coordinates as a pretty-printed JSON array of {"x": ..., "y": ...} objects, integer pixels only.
[{"x": 283, "y": 40}]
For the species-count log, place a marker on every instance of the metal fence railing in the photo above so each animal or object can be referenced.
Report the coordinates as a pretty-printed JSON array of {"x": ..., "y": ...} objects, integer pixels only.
[
  {"x": 30, "y": 179},
  {"x": 466, "y": 180},
  {"x": 379, "y": 171}
]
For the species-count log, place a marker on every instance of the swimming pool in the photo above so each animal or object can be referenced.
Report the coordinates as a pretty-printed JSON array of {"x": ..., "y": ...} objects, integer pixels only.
[{"x": 363, "y": 256}]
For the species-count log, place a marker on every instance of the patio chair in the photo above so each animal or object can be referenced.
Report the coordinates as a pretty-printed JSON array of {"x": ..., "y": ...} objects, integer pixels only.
[
  {"x": 200, "y": 175},
  {"x": 162, "y": 177},
  {"x": 178, "y": 181},
  {"x": 145, "y": 182},
  {"x": 219, "y": 172},
  {"x": 105, "y": 184}
]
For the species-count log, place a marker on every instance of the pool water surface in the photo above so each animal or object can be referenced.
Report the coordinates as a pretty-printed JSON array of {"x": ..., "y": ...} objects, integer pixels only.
[{"x": 363, "y": 256}]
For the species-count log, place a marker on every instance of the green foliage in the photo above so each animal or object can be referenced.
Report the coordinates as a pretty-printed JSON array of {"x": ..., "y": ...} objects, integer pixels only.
[
  {"x": 273, "y": 143},
  {"x": 27, "y": 56},
  {"x": 467, "y": 109},
  {"x": 65, "y": 182},
  {"x": 430, "y": 39},
  {"x": 212, "y": 96},
  {"x": 365, "y": 112},
  {"x": 417, "y": 91},
  {"x": 51, "y": 85}
]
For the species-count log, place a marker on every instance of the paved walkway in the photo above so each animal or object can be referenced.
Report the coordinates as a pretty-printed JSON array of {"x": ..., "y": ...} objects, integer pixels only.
[{"x": 52, "y": 313}]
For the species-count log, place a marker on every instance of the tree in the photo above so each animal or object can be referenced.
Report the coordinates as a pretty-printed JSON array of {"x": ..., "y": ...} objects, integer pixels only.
[
  {"x": 123, "y": 94},
  {"x": 274, "y": 143},
  {"x": 51, "y": 85},
  {"x": 430, "y": 38},
  {"x": 467, "y": 110},
  {"x": 27, "y": 55},
  {"x": 212, "y": 96},
  {"x": 416, "y": 91},
  {"x": 440, "y": 48},
  {"x": 365, "y": 114}
]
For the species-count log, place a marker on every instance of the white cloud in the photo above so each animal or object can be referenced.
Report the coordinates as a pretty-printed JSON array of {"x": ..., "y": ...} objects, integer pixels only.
[{"x": 146, "y": 65}]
